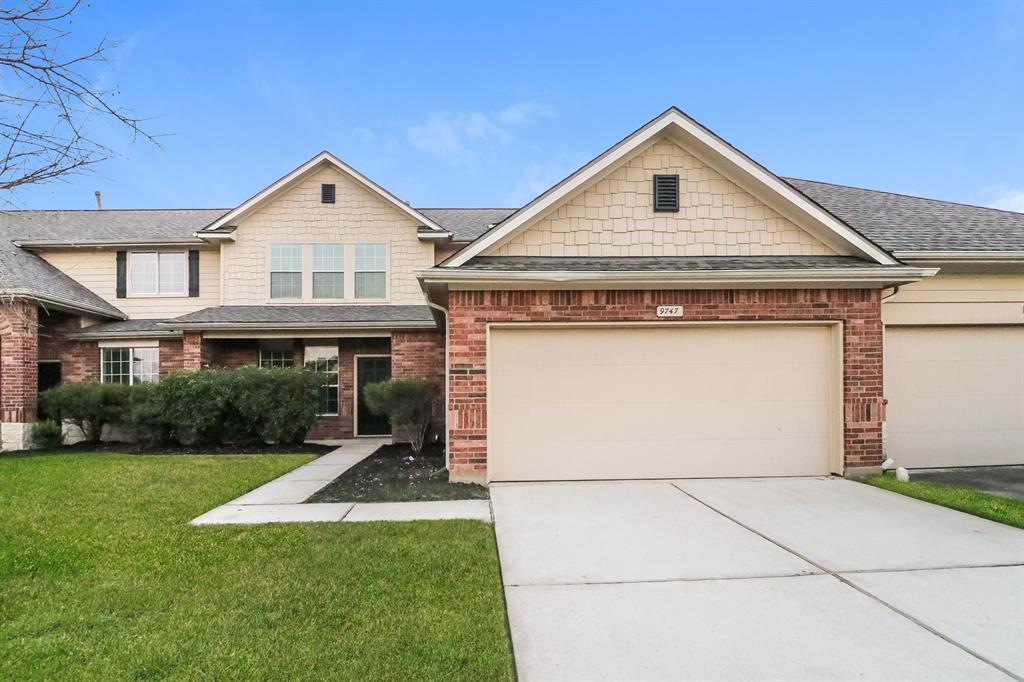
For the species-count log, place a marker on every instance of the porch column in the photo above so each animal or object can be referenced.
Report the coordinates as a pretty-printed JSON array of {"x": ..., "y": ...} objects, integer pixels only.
[
  {"x": 192, "y": 351},
  {"x": 19, "y": 373}
]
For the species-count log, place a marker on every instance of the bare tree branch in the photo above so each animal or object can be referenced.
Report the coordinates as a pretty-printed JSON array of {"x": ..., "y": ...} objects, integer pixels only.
[{"x": 48, "y": 99}]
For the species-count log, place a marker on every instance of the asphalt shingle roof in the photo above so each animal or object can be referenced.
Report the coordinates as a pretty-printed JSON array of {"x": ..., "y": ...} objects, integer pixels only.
[
  {"x": 312, "y": 315},
  {"x": 26, "y": 274},
  {"x": 660, "y": 263},
  {"x": 466, "y": 224},
  {"x": 83, "y": 227},
  {"x": 123, "y": 328},
  {"x": 898, "y": 222}
]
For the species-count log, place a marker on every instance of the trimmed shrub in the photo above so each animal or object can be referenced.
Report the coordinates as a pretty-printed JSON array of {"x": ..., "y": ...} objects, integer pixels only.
[
  {"x": 88, "y": 405},
  {"x": 144, "y": 413},
  {"x": 47, "y": 435},
  {"x": 278, "y": 405},
  {"x": 201, "y": 407},
  {"x": 408, "y": 403}
]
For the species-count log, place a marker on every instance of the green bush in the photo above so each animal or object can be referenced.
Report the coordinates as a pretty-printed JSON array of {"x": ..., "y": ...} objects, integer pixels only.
[
  {"x": 47, "y": 435},
  {"x": 198, "y": 407},
  {"x": 407, "y": 402},
  {"x": 87, "y": 405},
  {"x": 144, "y": 413},
  {"x": 278, "y": 405}
]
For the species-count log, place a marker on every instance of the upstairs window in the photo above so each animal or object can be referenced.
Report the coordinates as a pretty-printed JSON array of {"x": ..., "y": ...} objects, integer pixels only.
[
  {"x": 328, "y": 271},
  {"x": 666, "y": 193},
  {"x": 285, "y": 271},
  {"x": 371, "y": 271},
  {"x": 129, "y": 365},
  {"x": 153, "y": 273}
]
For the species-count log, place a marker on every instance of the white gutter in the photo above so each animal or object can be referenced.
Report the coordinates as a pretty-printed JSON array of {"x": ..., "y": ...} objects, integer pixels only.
[
  {"x": 447, "y": 383},
  {"x": 960, "y": 255},
  {"x": 61, "y": 303},
  {"x": 721, "y": 278},
  {"x": 311, "y": 324},
  {"x": 42, "y": 246}
]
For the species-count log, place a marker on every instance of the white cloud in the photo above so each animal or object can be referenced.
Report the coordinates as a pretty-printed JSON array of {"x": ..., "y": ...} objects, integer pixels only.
[
  {"x": 458, "y": 136},
  {"x": 535, "y": 180},
  {"x": 1006, "y": 198}
]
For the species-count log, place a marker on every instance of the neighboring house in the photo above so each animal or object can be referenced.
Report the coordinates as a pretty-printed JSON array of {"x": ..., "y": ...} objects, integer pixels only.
[{"x": 671, "y": 309}]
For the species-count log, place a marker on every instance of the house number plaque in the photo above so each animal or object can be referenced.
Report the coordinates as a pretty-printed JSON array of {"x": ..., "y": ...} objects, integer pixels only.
[{"x": 670, "y": 311}]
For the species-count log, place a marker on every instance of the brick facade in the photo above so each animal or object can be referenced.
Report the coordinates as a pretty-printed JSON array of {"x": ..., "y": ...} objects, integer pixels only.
[
  {"x": 470, "y": 311},
  {"x": 421, "y": 355},
  {"x": 343, "y": 425},
  {"x": 19, "y": 356}
]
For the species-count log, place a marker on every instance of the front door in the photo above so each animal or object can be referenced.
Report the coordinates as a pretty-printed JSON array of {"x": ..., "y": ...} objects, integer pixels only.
[{"x": 370, "y": 370}]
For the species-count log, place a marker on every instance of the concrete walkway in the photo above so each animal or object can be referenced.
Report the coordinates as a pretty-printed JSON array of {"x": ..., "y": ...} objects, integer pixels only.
[
  {"x": 281, "y": 500},
  {"x": 780, "y": 579}
]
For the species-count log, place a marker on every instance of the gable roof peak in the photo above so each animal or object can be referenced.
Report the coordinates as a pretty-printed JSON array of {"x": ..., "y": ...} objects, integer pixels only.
[{"x": 322, "y": 157}]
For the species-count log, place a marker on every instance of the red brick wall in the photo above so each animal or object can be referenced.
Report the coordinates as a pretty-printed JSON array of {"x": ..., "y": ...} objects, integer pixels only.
[
  {"x": 170, "y": 356},
  {"x": 470, "y": 311},
  {"x": 231, "y": 353},
  {"x": 342, "y": 425},
  {"x": 54, "y": 328},
  {"x": 80, "y": 361},
  {"x": 421, "y": 355},
  {"x": 19, "y": 357}
]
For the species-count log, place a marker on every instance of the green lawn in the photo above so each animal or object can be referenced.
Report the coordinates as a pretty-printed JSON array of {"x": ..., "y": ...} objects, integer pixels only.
[
  {"x": 101, "y": 577},
  {"x": 993, "y": 507}
]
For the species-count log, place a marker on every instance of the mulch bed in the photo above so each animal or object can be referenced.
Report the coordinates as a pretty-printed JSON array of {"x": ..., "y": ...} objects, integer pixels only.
[{"x": 394, "y": 474}]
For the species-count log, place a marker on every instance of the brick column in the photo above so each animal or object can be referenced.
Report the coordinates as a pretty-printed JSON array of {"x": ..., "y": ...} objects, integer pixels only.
[
  {"x": 192, "y": 351},
  {"x": 19, "y": 367}
]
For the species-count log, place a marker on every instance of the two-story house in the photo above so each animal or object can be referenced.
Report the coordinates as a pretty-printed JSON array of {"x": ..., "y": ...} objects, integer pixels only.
[{"x": 670, "y": 309}]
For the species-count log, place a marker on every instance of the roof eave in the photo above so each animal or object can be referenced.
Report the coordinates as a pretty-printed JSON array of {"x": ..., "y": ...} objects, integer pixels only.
[
  {"x": 54, "y": 245},
  {"x": 961, "y": 256},
  {"x": 726, "y": 279},
  {"x": 285, "y": 326},
  {"x": 86, "y": 335},
  {"x": 63, "y": 304}
]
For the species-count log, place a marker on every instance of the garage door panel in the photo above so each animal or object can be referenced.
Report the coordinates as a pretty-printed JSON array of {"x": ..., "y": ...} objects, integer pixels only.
[
  {"x": 955, "y": 395},
  {"x": 659, "y": 403}
]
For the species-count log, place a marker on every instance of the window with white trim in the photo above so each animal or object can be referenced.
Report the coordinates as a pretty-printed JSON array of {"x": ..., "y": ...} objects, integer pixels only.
[
  {"x": 371, "y": 271},
  {"x": 286, "y": 271},
  {"x": 328, "y": 271},
  {"x": 324, "y": 359},
  {"x": 274, "y": 355},
  {"x": 157, "y": 273},
  {"x": 129, "y": 365}
]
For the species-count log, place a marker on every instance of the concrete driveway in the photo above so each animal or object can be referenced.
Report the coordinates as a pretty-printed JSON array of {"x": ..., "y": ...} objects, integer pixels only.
[{"x": 781, "y": 579}]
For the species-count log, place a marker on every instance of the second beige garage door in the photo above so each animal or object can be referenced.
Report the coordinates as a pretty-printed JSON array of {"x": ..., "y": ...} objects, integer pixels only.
[
  {"x": 579, "y": 403},
  {"x": 956, "y": 395}
]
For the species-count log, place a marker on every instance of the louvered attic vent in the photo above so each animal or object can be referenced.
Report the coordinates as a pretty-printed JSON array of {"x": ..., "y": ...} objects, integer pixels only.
[
  {"x": 326, "y": 194},
  {"x": 666, "y": 192}
]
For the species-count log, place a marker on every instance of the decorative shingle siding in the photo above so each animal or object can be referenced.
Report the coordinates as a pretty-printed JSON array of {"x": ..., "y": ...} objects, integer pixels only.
[
  {"x": 615, "y": 217},
  {"x": 297, "y": 216},
  {"x": 471, "y": 311}
]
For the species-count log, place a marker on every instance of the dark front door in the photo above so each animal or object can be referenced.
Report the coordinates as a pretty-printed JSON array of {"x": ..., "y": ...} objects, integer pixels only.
[
  {"x": 370, "y": 370},
  {"x": 49, "y": 376}
]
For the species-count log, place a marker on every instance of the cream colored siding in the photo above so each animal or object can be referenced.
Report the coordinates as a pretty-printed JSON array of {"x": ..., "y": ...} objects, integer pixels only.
[
  {"x": 642, "y": 402},
  {"x": 958, "y": 299},
  {"x": 615, "y": 217},
  {"x": 97, "y": 271},
  {"x": 955, "y": 395},
  {"x": 296, "y": 216}
]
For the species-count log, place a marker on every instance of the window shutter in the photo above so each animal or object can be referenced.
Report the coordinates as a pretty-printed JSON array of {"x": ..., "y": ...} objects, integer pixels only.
[
  {"x": 666, "y": 193},
  {"x": 327, "y": 194},
  {"x": 193, "y": 274},
  {"x": 122, "y": 274}
]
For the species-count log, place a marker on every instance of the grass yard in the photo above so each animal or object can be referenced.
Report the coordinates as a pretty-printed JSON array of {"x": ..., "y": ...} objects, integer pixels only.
[
  {"x": 393, "y": 474},
  {"x": 101, "y": 577},
  {"x": 992, "y": 507}
]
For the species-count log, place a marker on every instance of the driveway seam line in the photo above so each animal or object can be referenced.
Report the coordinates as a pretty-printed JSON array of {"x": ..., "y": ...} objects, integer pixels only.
[{"x": 844, "y": 581}]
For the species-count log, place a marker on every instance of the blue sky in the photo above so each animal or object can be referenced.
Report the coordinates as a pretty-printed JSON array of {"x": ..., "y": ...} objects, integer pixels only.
[{"x": 471, "y": 104}]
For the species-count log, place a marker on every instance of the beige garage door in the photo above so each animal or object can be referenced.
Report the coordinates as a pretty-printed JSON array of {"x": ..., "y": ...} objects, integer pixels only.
[
  {"x": 956, "y": 395},
  {"x": 574, "y": 403}
]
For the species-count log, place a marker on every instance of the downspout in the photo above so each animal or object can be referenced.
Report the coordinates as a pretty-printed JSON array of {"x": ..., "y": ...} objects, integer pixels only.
[{"x": 447, "y": 380}]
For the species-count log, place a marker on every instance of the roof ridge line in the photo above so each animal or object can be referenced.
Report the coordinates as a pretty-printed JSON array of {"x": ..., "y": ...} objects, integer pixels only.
[{"x": 907, "y": 196}]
